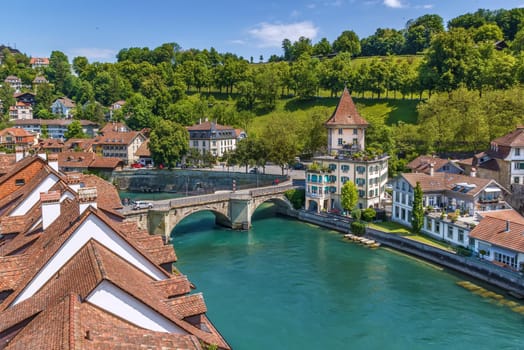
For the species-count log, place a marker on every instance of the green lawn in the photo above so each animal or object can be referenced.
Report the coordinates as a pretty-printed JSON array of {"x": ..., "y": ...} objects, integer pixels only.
[{"x": 394, "y": 228}]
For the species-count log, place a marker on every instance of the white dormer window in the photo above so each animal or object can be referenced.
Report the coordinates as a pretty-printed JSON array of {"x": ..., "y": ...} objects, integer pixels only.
[{"x": 517, "y": 151}]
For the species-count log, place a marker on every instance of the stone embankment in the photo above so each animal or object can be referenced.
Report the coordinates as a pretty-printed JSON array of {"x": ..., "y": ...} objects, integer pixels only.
[{"x": 480, "y": 269}]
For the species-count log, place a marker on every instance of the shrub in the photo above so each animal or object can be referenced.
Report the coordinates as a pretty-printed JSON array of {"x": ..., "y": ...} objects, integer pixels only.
[
  {"x": 297, "y": 197},
  {"x": 358, "y": 228},
  {"x": 369, "y": 214}
]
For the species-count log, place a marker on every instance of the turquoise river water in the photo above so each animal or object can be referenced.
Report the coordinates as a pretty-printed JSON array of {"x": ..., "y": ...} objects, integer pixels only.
[{"x": 286, "y": 284}]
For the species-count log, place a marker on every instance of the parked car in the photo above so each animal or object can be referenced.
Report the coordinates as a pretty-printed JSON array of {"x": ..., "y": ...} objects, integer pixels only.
[
  {"x": 299, "y": 166},
  {"x": 142, "y": 205},
  {"x": 253, "y": 171}
]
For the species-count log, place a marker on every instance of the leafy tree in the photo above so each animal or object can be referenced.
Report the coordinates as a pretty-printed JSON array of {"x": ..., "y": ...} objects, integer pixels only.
[
  {"x": 7, "y": 99},
  {"x": 322, "y": 48},
  {"x": 384, "y": 42},
  {"x": 305, "y": 77},
  {"x": 243, "y": 155},
  {"x": 420, "y": 31},
  {"x": 58, "y": 70},
  {"x": 138, "y": 108},
  {"x": 417, "y": 216},
  {"x": 348, "y": 42},
  {"x": 488, "y": 33},
  {"x": 297, "y": 197},
  {"x": 349, "y": 195},
  {"x": 74, "y": 131},
  {"x": 168, "y": 143},
  {"x": 281, "y": 140},
  {"x": 358, "y": 228}
]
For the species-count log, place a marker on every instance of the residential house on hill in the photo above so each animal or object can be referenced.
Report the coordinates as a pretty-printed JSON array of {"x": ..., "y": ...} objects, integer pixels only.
[
  {"x": 423, "y": 164},
  {"x": 55, "y": 128},
  {"x": 39, "y": 80},
  {"x": 50, "y": 146},
  {"x": 504, "y": 161},
  {"x": 25, "y": 97},
  {"x": 39, "y": 62},
  {"x": 115, "y": 107},
  {"x": 12, "y": 137},
  {"x": 14, "y": 81},
  {"x": 116, "y": 140},
  {"x": 69, "y": 261},
  {"x": 21, "y": 110},
  {"x": 453, "y": 203},
  {"x": 212, "y": 138},
  {"x": 347, "y": 161},
  {"x": 63, "y": 107}
]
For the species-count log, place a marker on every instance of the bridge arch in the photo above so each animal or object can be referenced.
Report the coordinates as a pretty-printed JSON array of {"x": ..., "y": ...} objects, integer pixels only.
[
  {"x": 283, "y": 204},
  {"x": 220, "y": 218}
]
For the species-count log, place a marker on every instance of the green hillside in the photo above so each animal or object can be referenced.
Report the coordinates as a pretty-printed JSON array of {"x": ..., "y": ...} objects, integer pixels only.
[{"x": 383, "y": 111}]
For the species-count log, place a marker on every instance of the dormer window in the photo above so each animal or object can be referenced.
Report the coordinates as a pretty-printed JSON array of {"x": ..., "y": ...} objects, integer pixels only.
[
  {"x": 19, "y": 182},
  {"x": 517, "y": 151}
]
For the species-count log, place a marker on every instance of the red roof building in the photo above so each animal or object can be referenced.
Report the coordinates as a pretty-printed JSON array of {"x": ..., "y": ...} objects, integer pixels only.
[{"x": 74, "y": 275}]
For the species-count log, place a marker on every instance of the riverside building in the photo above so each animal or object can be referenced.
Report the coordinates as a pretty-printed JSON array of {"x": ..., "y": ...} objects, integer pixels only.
[{"x": 347, "y": 160}]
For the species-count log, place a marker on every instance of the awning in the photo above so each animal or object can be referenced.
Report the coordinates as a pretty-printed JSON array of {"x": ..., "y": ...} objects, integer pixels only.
[{"x": 492, "y": 189}]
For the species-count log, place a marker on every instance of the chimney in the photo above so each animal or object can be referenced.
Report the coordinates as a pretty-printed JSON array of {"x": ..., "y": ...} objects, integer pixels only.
[
  {"x": 73, "y": 180},
  {"x": 50, "y": 207},
  {"x": 87, "y": 197},
  {"x": 507, "y": 226},
  {"x": 42, "y": 155},
  {"x": 473, "y": 172},
  {"x": 431, "y": 169},
  {"x": 52, "y": 161},
  {"x": 19, "y": 153}
]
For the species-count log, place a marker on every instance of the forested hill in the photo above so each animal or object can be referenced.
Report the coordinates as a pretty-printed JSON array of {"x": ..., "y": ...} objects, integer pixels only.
[{"x": 467, "y": 75}]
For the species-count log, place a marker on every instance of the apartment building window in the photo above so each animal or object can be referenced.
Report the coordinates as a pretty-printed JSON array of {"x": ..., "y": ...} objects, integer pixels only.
[
  {"x": 339, "y": 142},
  {"x": 450, "y": 232},
  {"x": 516, "y": 179},
  {"x": 355, "y": 131},
  {"x": 397, "y": 197},
  {"x": 344, "y": 179},
  {"x": 517, "y": 151},
  {"x": 437, "y": 226},
  {"x": 340, "y": 131},
  {"x": 345, "y": 168},
  {"x": 332, "y": 167},
  {"x": 461, "y": 236}
]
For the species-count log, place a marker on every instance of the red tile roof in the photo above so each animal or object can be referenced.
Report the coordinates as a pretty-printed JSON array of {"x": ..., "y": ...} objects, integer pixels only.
[
  {"x": 445, "y": 181},
  {"x": 493, "y": 230},
  {"x": 421, "y": 164},
  {"x": 207, "y": 125},
  {"x": 143, "y": 150},
  {"x": 346, "y": 113}
]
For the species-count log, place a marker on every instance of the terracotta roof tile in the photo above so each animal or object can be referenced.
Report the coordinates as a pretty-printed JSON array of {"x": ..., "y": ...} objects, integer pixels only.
[
  {"x": 493, "y": 230},
  {"x": 346, "y": 113},
  {"x": 207, "y": 125},
  {"x": 174, "y": 286},
  {"x": 189, "y": 305},
  {"x": 143, "y": 150}
]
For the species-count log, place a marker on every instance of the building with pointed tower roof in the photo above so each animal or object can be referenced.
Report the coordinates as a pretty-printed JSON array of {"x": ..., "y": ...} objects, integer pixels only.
[{"x": 347, "y": 160}]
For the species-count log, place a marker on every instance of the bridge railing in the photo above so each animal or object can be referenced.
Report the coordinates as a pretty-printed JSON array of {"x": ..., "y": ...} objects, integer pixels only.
[
  {"x": 271, "y": 190},
  {"x": 186, "y": 201}
]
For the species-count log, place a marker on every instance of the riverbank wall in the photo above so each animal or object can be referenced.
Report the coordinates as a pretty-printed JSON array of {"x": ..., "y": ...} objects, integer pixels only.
[
  {"x": 471, "y": 266},
  {"x": 189, "y": 181}
]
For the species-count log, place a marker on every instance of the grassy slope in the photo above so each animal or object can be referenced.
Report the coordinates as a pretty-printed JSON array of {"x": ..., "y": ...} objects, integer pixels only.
[{"x": 387, "y": 111}]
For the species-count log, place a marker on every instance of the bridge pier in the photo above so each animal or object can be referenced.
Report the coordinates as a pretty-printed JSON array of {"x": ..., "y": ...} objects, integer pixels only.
[{"x": 240, "y": 212}]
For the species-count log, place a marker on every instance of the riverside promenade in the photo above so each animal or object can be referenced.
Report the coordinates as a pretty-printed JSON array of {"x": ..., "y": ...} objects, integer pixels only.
[{"x": 483, "y": 270}]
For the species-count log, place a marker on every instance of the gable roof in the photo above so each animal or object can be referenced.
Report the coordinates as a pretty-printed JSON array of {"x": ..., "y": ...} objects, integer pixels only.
[
  {"x": 346, "y": 113},
  {"x": 66, "y": 102},
  {"x": 209, "y": 126},
  {"x": 493, "y": 230},
  {"x": 445, "y": 182},
  {"x": 421, "y": 164},
  {"x": 143, "y": 150}
]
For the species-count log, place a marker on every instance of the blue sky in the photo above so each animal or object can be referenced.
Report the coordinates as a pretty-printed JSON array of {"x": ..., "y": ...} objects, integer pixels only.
[{"x": 99, "y": 29}]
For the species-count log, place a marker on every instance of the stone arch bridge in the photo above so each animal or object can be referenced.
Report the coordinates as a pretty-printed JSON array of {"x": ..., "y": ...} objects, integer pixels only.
[{"x": 232, "y": 209}]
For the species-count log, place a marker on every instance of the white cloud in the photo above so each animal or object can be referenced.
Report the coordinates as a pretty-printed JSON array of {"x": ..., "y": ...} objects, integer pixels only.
[
  {"x": 311, "y": 6},
  {"x": 426, "y": 6},
  {"x": 238, "y": 42},
  {"x": 271, "y": 35},
  {"x": 295, "y": 13},
  {"x": 94, "y": 53},
  {"x": 393, "y": 3}
]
